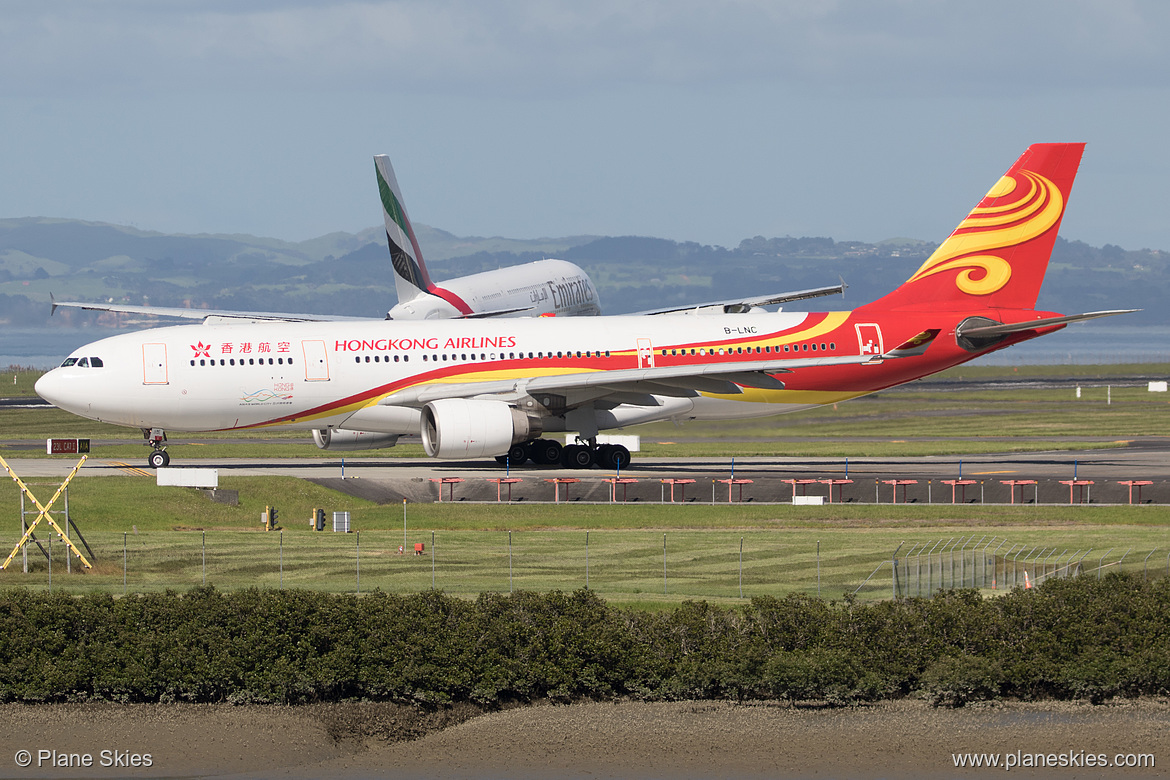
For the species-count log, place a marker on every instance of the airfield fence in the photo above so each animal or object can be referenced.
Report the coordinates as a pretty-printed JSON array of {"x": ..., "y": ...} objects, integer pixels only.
[{"x": 622, "y": 565}]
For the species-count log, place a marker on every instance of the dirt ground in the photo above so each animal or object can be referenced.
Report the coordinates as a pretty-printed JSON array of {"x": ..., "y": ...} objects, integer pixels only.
[{"x": 588, "y": 740}]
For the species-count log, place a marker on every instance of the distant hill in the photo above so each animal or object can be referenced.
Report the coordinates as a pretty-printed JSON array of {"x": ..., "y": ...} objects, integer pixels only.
[{"x": 349, "y": 273}]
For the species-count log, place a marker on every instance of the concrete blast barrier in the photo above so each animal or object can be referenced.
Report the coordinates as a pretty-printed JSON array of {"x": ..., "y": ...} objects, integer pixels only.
[{"x": 197, "y": 478}]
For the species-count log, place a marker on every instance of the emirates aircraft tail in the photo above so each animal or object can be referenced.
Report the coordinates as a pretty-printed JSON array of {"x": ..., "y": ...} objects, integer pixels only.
[
  {"x": 996, "y": 258},
  {"x": 411, "y": 279},
  {"x": 538, "y": 288}
]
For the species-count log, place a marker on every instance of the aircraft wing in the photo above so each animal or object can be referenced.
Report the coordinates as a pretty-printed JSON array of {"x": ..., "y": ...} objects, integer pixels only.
[
  {"x": 204, "y": 314},
  {"x": 740, "y": 305},
  {"x": 678, "y": 381},
  {"x": 221, "y": 315}
]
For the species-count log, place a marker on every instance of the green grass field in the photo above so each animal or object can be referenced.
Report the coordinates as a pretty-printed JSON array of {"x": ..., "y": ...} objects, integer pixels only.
[{"x": 164, "y": 531}]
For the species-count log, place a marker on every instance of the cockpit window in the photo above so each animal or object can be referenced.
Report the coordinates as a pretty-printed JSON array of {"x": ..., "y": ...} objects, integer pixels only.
[
  {"x": 83, "y": 363},
  {"x": 96, "y": 362},
  {"x": 68, "y": 362}
]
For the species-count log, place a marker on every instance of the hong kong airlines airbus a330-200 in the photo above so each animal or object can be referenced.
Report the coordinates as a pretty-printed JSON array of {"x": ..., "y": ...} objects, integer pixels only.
[{"x": 473, "y": 388}]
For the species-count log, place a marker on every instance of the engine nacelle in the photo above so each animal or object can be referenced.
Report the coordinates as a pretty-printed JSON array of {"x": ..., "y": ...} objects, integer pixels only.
[
  {"x": 333, "y": 439},
  {"x": 461, "y": 428}
]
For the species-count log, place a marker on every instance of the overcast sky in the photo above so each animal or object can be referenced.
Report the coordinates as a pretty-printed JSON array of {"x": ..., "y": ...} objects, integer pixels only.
[{"x": 694, "y": 120}]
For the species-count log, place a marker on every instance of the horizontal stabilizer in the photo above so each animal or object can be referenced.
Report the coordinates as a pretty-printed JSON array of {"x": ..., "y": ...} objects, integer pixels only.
[{"x": 1003, "y": 329}]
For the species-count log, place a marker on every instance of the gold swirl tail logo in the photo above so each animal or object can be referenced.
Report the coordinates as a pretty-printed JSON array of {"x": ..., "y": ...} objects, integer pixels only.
[{"x": 1016, "y": 210}]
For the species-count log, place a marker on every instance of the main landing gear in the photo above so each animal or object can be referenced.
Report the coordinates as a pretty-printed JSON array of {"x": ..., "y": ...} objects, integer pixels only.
[
  {"x": 157, "y": 438},
  {"x": 548, "y": 452}
]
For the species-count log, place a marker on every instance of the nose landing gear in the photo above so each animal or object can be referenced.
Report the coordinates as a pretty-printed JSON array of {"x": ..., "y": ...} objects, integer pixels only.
[{"x": 157, "y": 438}]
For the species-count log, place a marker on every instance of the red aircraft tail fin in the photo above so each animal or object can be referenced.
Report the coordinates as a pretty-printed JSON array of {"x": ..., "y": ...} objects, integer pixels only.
[{"x": 997, "y": 256}]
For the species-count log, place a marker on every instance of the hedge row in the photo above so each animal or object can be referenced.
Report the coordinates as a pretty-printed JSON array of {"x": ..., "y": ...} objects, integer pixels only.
[{"x": 1080, "y": 638}]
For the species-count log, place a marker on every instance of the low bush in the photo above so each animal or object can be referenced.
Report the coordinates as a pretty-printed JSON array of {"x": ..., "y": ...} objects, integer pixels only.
[{"x": 1089, "y": 639}]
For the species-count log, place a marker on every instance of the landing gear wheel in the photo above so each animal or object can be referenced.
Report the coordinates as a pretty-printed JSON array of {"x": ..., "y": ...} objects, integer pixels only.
[
  {"x": 603, "y": 456},
  {"x": 619, "y": 457},
  {"x": 159, "y": 459},
  {"x": 577, "y": 457},
  {"x": 518, "y": 454},
  {"x": 545, "y": 452}
]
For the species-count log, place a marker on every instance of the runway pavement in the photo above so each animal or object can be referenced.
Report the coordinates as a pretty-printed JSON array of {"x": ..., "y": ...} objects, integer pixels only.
[{"x": 389, "y": 480}]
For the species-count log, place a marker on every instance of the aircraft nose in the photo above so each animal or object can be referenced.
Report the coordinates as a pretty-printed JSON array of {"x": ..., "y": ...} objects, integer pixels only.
[
  {"x": 56, "y": 388},
  {"x": 47, "y": 387}
]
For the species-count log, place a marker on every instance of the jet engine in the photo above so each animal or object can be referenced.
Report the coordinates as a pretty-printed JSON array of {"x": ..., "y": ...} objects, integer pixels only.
[
  {"x": 333, "y": 439},
  {"x": 462, "y": 428}
]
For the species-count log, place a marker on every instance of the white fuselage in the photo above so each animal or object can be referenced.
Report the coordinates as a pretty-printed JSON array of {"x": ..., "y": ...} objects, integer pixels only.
[
  {"x": 542, "y": 287},
  {"x": 333, "y": 374}
]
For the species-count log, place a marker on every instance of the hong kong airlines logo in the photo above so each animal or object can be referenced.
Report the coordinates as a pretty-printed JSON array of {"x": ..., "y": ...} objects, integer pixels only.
[
  {"x": 201, "y": 349},
  {"x": 1018, "y": 209}
]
